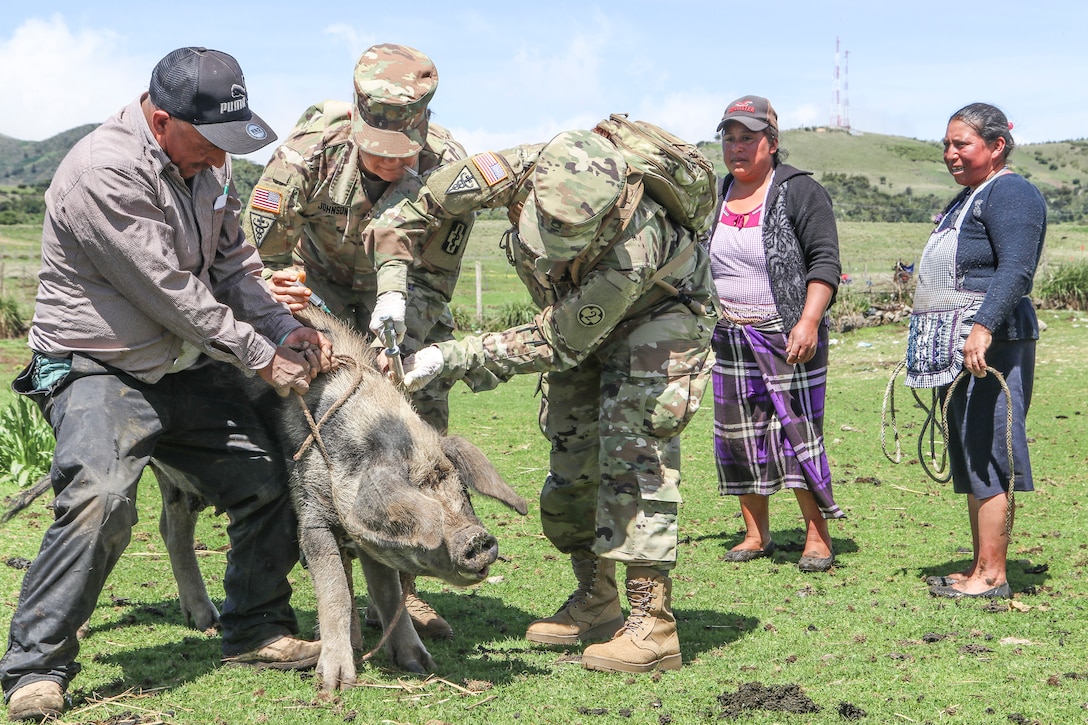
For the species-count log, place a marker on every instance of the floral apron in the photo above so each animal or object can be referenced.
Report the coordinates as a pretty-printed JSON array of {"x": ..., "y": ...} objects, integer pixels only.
[{"x": 943, "y": 312}]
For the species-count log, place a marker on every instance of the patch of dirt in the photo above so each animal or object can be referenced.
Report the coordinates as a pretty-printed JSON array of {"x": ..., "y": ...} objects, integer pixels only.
[
  {"x": 850, "y": 711},
  {"x": 129, "y": 718},
  {"x": 755, "y": 696},
  {"x": 1021, "y": 720}
]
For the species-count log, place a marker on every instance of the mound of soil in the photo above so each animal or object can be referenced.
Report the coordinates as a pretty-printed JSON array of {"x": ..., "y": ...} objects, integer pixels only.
[{"x": 755, "y": 696}]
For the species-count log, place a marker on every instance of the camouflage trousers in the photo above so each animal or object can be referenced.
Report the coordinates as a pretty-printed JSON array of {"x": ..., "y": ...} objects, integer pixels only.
[
  {"x": 614, "y": 424},
  {"x": 427, "y": 320}
]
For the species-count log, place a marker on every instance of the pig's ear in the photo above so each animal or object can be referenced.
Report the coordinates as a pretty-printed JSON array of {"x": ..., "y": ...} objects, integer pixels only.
[{"x": 478, "y": 474}]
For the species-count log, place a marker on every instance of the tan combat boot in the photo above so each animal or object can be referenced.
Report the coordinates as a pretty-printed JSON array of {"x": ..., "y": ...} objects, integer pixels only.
[
  {"x": 591, "y": 612},
  {"x": 427, "y": 622},
  {"x": 648, "y": 639}
]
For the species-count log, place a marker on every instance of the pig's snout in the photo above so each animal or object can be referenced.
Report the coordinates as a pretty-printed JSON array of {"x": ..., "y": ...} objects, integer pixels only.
[{"x": 479, "y": 552}]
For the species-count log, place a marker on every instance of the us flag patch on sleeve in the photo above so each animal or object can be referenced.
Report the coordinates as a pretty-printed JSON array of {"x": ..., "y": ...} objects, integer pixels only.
[
  {"x": 491, "y": 167},
  {"x": 266, "y": 199}
]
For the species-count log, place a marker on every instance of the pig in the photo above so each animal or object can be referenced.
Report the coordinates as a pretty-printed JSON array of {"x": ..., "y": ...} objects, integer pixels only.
[
  {"x": 368, "y": 479},
  {"x": 380, "y": 483}
]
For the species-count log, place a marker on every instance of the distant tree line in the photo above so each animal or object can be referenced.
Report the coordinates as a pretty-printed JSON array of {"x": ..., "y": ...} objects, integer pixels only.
[
  {"x": 25, "y": 203},
  {"x": 1066, "y": 204},
  {"x": 857, "y": 200}
]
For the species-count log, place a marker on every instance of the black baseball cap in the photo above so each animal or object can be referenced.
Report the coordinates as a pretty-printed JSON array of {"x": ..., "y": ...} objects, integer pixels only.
[{"x": 206, "y": 88}]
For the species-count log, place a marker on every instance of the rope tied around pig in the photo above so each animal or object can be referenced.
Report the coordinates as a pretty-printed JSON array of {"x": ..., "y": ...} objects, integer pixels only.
[
  {"x": 937, "y": 473},
  {"x": 315, "y": 426}
]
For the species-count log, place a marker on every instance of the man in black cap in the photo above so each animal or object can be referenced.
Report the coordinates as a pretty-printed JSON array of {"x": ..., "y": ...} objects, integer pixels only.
[{"x": 150, "y": 311}]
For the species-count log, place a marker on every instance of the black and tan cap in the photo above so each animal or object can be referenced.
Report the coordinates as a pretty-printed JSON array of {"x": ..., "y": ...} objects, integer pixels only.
[
  {"x": 206, "y": 88},
  {"x": 755, "y": 112}
]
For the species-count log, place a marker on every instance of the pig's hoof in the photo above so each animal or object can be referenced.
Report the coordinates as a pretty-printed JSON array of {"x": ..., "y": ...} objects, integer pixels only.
[{"x": 415, "y": 667}]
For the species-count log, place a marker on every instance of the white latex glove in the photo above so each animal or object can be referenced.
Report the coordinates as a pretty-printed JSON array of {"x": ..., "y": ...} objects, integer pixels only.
[
  {"x": 422, "y": 368},
  {"x": 391, "y": 305}
]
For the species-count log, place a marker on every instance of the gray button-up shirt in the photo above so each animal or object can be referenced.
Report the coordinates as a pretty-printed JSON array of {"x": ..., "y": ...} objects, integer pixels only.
[{"x": 135, "y": 261}]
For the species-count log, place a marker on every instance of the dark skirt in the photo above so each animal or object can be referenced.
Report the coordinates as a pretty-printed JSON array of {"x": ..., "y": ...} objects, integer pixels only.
[{"x": 978, "y": 453}]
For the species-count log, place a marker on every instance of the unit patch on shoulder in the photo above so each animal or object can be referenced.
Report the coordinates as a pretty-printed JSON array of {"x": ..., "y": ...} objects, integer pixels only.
[
  {"x": 455, "y": 240},
  {"x": 465, "y": 181},
  {"x": 266, "y": 199},
  {"x": 491, "y": 166},
  {"x": 591, "y": 315},
  {"x": 259, "y": 225}
]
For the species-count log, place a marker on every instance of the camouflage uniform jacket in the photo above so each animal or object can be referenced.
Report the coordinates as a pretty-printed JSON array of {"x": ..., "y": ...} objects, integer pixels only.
[
  {"x": 577, "y": 316},
  {"x": 313, "y": 191}
]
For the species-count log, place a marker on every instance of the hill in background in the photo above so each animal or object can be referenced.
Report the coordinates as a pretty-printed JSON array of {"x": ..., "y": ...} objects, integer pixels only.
[
  {"x": 871, "y": 177},
  {"x": 33, "y": 162}
]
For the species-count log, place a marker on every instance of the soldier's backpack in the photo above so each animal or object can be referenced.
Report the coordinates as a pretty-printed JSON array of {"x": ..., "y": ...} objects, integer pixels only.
[{"x": 675, "y": 173}]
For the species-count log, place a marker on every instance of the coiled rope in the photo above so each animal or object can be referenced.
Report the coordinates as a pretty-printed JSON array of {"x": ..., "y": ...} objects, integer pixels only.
[{"x": 935, "y": 469}]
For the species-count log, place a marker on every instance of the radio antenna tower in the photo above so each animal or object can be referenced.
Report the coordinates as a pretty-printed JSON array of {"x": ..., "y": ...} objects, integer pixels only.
[
  {"x": 840, "y": 104},
  {"x": 846, "y": 89},
  {"x": 836, "y": 104}
]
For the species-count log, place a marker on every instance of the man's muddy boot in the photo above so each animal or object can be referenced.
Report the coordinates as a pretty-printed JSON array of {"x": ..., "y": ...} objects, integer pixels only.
[
  {"x": 648, "y": 639},
  {"x": 428, "y": 623},
  {"x": 39, "y": 701},
  {"x": 592, "y": 612}
]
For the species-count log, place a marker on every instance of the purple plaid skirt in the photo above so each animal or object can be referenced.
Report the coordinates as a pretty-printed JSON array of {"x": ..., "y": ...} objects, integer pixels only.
[{"x": 769, "y": 415}]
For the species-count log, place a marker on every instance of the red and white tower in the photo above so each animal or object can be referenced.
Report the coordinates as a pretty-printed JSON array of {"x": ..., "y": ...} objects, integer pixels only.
[
  {"x": 836, "y": 88},
  {"x": 846, "y": 90},
  {"x": 840, "y": 104}
]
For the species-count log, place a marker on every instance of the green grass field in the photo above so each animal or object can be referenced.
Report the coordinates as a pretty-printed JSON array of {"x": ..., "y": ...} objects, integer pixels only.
[{"x": 864, "y": 638}]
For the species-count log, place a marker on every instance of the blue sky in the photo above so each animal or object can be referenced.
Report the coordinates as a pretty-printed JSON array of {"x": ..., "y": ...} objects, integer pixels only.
[{"x": 521, "y": 72}]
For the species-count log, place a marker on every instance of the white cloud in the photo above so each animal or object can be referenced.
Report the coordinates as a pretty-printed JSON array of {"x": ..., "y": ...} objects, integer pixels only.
[
  {"x": 346, "y": 35},
  {"x": 543, "y": 89},
  {"x": 691, "y": 115},
  {"x": 804, "y": 115},
  {"x": 64, "y": 79}
]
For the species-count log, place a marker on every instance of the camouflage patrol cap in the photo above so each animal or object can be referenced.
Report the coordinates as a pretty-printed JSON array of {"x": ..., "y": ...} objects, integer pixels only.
[
  {"x": 579, "y": 177},
  {"x": 393, "y": 85}
]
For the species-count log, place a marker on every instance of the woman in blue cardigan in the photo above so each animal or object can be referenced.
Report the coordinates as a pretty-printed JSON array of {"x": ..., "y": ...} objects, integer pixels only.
[{"x": 985, "y": 251}]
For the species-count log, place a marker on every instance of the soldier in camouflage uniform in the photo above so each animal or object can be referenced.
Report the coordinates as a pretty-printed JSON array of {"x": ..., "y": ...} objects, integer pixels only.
[
  {"x": 309, "y": 216},
  {"x": 627, "y": 312}
]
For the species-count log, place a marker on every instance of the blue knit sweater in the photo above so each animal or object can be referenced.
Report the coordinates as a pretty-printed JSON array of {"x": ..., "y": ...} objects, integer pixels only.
[{"x": 1000, "y": 242}]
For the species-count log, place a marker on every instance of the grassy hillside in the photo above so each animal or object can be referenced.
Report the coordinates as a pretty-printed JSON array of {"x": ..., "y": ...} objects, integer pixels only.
[
  {"x": 871, "y": 177},
  {"x": 898, "y": 166},
  {"x": 896, "y": 162},
  {"x": 892, "y": 163},
  {"x": 33, "y": 162}
]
